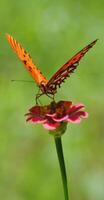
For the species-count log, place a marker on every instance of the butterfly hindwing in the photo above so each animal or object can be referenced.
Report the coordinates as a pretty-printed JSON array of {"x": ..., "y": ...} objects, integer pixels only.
[
  {"x": 66, "y": 70},
  {"x": 27, "y": 60}
]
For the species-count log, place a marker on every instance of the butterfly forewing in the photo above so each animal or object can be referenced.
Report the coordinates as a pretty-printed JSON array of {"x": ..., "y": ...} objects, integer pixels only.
[
  {"x": 66, "y": 70},
  {"x": 27, "y": 60}
]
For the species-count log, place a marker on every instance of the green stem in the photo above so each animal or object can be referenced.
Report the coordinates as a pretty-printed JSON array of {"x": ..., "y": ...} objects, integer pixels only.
[{"x": 60, "y": 154}]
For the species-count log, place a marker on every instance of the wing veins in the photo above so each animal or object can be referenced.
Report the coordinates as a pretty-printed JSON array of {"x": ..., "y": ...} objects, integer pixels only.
[
  {"x": 27, "y": 60},
  {"x": 68, "y": 68}
]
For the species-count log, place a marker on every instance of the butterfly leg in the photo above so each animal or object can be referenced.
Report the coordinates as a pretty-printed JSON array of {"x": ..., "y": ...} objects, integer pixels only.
[
  {"x": 37, "y": 97},
  {"x": 51, "y": 97}
]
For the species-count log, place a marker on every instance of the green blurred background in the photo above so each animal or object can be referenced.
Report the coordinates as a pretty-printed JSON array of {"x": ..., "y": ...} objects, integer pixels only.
[{"x": 52, "y": 32}]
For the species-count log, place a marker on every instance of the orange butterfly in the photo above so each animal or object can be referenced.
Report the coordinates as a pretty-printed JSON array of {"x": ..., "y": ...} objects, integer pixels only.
[{"x": 47, "y": 87}]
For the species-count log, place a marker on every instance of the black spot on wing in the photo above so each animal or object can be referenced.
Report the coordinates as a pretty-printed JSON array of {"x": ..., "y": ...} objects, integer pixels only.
[{"x": 25, "y": 62}]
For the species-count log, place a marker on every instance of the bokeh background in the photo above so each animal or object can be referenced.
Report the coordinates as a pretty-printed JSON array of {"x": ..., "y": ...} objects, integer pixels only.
[{"x": 52, "y": 32}]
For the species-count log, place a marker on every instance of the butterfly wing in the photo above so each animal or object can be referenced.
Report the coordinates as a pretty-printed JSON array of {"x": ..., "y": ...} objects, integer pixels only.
[
  {"x": 27, "y": 60},
  {"x": 66, "y": 70}
]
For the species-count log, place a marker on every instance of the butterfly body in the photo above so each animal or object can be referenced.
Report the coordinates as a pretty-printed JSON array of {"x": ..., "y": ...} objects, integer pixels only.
[{"x": 48, "y": 87}]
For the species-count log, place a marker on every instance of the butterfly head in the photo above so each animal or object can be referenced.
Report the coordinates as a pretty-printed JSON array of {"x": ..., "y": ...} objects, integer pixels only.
[
  {"x": 43, "y": 87},
  {"x": 47, "y": 90}
]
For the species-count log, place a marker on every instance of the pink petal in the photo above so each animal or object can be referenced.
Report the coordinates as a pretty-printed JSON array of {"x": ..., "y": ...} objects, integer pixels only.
[
  {"x": 35, "y": 120},
  {"x": 84, "y": 115},
  {"x": 76, "y": 117},
  {"x": 51, "y": 126},
  {"x": 35, "y": 109},
  {"x": 79, "y": 105},
  {"x": 74, "y": 120},
  {"x": 56, "y": 119},
  {"x": 75, "y": 108},
  {"x": 50, "y": 115}
]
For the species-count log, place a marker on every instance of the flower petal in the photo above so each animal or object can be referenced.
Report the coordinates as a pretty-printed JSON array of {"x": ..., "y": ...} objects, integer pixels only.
[
  {"x": 36, "y": 114},
  {"x": 75, "y": 107},
  {"x": 64, "y": 118},
  {"x": 76, "y": 117},
  {"x": 53, "y": 115},
  {"x": 50, "y": 126},
  {"x": 35, "y": 120},
  {"x": 50, "y": 115}
]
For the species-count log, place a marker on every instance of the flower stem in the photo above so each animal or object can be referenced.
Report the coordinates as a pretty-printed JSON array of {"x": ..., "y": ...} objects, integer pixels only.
[{"x": 60, "y": 154}]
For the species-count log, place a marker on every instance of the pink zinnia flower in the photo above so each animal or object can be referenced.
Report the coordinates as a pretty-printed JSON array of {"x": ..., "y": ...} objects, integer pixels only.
[{"x": 52, "y": 116}]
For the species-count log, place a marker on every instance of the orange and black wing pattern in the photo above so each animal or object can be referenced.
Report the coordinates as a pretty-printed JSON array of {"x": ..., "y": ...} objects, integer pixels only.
[
  {"x": 27, "y": 60},
  {"x": 67, "y": 69}
]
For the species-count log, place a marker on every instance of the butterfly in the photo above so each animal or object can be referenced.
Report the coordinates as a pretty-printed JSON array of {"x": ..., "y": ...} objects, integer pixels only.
[{"x": 45, "y": 86}]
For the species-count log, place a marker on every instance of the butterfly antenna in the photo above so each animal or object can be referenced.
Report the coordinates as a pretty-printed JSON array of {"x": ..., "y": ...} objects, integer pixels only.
[{"x": 22, "y": 81}]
